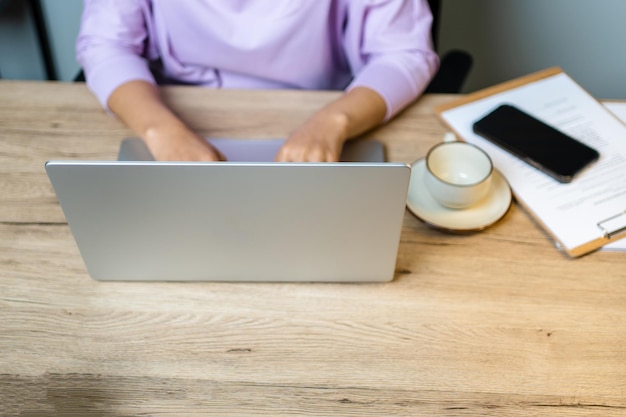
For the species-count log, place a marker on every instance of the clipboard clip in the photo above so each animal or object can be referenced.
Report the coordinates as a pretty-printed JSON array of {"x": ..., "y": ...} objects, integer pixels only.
[{"x": 614, "y": 225}]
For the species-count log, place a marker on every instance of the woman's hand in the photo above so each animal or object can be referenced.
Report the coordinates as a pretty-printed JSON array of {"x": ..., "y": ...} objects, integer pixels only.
[
  {"x": 321, "y": 137},
  {"x": 178, "y": 143},
  {"x": 139, "y": 105}
]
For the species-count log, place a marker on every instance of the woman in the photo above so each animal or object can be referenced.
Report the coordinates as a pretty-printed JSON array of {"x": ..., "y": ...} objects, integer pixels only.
[{"x": 379, "y": 52}]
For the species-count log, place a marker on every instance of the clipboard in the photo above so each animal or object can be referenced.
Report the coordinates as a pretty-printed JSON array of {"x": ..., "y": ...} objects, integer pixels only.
[{"x": 600, "y": 226}]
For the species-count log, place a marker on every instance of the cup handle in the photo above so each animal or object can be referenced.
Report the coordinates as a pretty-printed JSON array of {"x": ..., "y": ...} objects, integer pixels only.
[{"x": 449, "y": 137}]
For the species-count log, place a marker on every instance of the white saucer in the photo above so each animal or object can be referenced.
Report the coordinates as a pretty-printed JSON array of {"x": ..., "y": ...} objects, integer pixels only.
[{"x": 478, "y": 217}]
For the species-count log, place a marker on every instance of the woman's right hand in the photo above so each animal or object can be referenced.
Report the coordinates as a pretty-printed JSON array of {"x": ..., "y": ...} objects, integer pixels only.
[
  {"x": 139, "y": 105},
  {"x": 180, "y": 144}
]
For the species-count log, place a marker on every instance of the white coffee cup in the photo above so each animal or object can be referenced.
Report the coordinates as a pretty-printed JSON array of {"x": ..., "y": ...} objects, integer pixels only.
[{"x": 458, "y": 174}]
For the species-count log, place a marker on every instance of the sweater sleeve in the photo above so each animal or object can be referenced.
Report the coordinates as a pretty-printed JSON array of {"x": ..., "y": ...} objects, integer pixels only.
[
  {"x": 112, "y": 44},
  {"x": 389, "y": 48}
]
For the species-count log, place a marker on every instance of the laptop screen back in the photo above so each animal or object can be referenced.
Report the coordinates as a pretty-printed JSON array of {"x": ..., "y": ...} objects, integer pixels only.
[{"x": 182, "y": 221}]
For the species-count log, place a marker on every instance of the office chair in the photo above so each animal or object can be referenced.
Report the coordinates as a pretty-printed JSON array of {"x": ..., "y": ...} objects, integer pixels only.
[
  {"x": 3, "y": 4},
  {"x": 41, "y": 29},
  {"x": 455, "y": 64}
]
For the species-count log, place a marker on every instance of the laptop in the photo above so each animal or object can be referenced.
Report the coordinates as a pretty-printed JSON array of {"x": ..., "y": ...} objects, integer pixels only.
[{"x": 248, "y": 219}]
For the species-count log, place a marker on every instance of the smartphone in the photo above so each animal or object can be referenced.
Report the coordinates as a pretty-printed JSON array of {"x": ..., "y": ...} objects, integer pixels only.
[{"x": 540, "y": 145}]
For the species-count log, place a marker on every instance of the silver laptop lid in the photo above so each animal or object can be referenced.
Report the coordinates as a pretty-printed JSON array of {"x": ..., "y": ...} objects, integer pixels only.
[{"x": 234, "y": 221}]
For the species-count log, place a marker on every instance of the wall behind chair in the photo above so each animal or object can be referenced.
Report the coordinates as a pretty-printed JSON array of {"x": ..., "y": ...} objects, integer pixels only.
[
  {"x": 510, "y": 38},
  {"x": 20, "y": 52}
]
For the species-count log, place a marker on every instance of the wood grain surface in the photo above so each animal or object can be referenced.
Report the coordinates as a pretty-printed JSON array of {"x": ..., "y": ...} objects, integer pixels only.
[{"x": 497, "y": 323}]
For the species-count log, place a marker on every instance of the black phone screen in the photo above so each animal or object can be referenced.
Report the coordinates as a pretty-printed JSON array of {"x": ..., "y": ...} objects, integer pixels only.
[{"x": 535, "y": 142}]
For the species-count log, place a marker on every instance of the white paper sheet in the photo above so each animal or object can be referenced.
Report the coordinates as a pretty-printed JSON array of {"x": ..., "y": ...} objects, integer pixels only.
[
  {"x": 619, "y": 110},
  {"x": 570, "y": 211}
]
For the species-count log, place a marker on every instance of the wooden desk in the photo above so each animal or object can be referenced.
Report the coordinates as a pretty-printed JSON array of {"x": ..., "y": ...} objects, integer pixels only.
[{"x": 497, "y": 323}]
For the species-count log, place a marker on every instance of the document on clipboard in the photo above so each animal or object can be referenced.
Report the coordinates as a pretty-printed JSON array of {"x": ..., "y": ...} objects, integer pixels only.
[
  {"x": 580, "y": 216},
  {"x": 619, "y": 110}
]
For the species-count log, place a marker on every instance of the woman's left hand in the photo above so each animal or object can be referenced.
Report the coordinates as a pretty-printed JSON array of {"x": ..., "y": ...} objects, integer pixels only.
[{"x": 321, "y": 137}]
